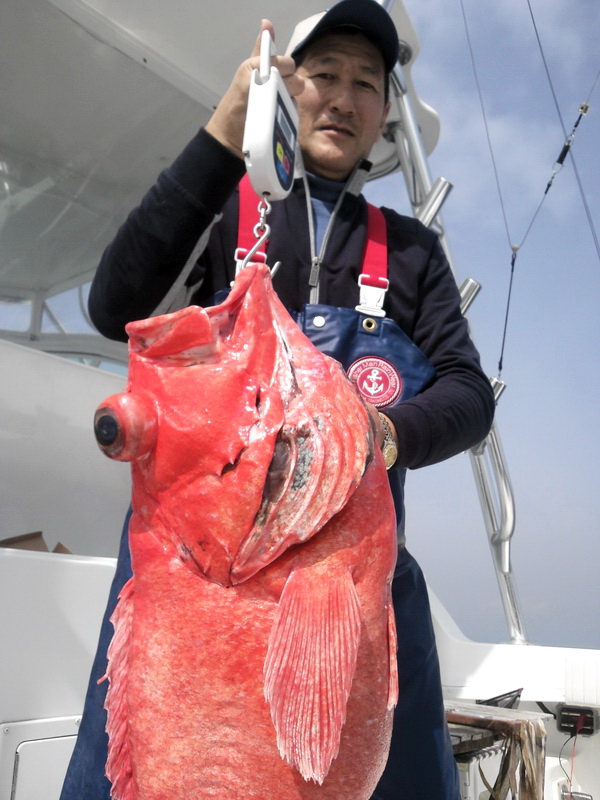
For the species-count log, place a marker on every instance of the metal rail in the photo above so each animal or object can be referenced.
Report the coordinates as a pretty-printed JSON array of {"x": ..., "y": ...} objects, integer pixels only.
[{"x": 487, "y": 459}]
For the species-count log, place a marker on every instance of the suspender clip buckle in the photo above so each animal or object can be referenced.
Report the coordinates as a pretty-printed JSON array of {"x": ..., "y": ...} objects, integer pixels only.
[{"x": 372, "y": 295}]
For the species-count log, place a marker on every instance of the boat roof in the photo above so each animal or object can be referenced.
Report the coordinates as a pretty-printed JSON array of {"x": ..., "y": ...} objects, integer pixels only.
[{"x": 113, "y": 93}]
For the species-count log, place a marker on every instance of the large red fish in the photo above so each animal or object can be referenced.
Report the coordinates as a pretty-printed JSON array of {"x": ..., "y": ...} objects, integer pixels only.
[{"x": 254, "y": 648}]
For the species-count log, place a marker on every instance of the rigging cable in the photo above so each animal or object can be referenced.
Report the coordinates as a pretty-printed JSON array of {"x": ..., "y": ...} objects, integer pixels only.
[
  {"x": 485, "y": 122},
  {"x": 583, "y": 109},
  {"x": 497, "y": 179}
]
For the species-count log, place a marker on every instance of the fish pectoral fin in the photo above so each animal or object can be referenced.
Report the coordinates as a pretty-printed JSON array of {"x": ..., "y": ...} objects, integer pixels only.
[{"x": 310, "y": 663}]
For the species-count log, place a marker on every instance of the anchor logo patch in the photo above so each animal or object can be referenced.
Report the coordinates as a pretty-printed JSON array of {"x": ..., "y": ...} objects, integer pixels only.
[{"x": 377, "y": 381}]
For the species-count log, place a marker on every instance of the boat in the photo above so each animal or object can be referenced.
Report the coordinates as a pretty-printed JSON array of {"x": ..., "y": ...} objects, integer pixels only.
[{"x": 99, "y": 96}]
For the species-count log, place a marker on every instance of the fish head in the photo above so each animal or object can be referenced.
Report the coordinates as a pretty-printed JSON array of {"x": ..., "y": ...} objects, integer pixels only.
[{"x": 232, "y": 423}]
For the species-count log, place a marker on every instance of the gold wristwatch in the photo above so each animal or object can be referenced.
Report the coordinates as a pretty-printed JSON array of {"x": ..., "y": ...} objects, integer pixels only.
[{"x": 389, "y": 448}]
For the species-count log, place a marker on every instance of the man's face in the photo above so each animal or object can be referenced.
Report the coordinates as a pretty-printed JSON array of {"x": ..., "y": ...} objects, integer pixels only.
[{"x": 342, "y": 108}]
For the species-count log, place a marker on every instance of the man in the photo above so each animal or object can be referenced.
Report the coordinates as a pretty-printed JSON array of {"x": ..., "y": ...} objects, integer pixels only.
[{"x": 177, "y": 247}]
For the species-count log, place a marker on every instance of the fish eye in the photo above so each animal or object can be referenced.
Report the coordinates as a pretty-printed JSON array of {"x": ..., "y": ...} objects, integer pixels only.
[
  {"x": 106, "y": 428},
  {"x": 126, "y": 426}
]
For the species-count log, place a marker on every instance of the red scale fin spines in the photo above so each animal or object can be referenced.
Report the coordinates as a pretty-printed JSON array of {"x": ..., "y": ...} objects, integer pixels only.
[
  {"x": 119, "y": 766},
  {"x": 393, "y": 653}
]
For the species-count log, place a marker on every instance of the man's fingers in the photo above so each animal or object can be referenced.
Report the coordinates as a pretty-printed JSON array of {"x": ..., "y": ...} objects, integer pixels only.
[
  {"x": 265, "y": 25},
  {"x": 285, "y": 64}
]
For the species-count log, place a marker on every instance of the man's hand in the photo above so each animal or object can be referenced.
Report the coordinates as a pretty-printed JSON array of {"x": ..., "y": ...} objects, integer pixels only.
[{"x": 228, "y": 120}]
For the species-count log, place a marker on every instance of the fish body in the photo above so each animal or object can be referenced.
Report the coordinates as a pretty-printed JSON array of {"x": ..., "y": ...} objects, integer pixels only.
[{"x": 254, "y": 648}]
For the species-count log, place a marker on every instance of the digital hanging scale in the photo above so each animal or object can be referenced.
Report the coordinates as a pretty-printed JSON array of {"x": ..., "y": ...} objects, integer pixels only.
[{"x": 271, "y": 129}]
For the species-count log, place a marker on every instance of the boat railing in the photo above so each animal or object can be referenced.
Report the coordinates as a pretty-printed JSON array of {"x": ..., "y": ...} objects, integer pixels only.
[
  {"x": 497, "y": 504},
  {"x": 487, "y": 459}
]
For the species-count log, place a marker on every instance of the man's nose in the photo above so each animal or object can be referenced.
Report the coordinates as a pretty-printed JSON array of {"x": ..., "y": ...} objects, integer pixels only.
[{"x": 343, "y": 100}]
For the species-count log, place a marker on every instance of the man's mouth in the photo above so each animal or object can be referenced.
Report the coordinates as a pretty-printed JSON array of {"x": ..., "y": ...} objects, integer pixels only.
[{"x": 337, "y": 129}]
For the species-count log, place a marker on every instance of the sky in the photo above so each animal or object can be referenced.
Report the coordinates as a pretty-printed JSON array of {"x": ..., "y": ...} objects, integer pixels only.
[{"x": 548, "y": 418}]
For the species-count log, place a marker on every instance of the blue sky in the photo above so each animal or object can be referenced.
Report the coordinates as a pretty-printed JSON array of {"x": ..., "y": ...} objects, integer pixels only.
[{"x": 549, "y": 415}]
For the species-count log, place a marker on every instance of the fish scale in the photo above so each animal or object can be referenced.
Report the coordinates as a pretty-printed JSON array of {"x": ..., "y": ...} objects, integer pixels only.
[{"x": 254, "y": 647}]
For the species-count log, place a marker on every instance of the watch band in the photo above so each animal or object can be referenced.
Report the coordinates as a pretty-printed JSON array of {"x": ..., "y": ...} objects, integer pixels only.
[{"x": 389, "y": 448}]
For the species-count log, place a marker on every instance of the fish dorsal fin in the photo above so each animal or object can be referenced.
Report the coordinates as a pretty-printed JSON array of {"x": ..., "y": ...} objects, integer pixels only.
[{"x": 310, "y": 663}]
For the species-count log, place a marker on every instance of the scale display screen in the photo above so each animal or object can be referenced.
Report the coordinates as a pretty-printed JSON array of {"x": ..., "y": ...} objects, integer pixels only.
[{"x": 284, "y": 143}]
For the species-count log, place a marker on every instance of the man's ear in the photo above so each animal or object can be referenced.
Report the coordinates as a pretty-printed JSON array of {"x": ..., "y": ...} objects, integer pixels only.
[{"x": 384, "y": 117}]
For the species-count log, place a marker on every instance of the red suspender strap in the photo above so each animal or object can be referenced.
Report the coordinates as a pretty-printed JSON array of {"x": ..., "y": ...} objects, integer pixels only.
[
  {"x": 375, "y": 260},
  {"x": 373, "y": 280},
  {"x": 248, "y": 218}
]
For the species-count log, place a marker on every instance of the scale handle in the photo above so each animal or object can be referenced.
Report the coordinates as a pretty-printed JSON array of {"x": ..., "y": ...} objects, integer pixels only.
[{"x": 267, "y": 50}]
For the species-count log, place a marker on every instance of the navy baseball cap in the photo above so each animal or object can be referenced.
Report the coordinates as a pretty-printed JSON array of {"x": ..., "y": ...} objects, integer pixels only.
[{"x": 368, "y": 16}]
